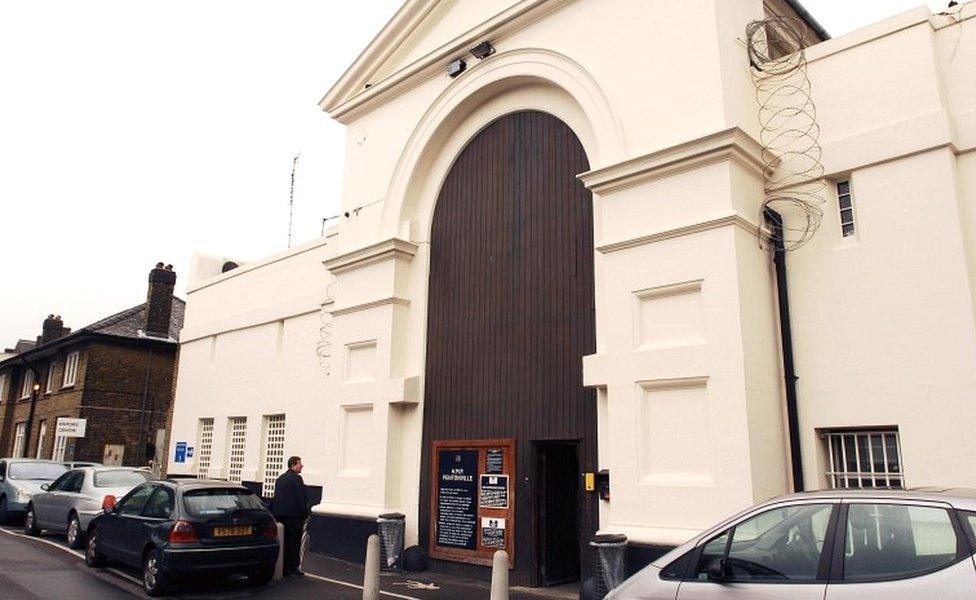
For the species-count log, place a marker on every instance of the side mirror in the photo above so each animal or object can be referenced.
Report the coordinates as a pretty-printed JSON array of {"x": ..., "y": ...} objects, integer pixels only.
[
  {"x": 717, "y": 570},
  {"x": 45, "y": 486}
]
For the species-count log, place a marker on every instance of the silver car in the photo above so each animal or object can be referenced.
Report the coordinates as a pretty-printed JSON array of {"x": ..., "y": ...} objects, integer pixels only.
[
  {"x": 831, "y": 545},
  {"x": 69, "y": 503},
  {"x": 21, "y": 478}
]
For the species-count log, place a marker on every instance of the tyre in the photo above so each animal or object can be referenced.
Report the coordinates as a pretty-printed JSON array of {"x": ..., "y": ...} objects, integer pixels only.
[
  {"x": 75, "y": 536},
  {"x": 30, "y": 522},
  {"x": 3, "y": 511},
  {"x": 261, "y": 576},
  {"x": 154, "y": 580},
  {"x": 93, "y": 557}
]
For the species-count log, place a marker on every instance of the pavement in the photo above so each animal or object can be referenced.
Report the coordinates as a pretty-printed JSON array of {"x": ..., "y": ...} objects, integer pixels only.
[{"x": 44, "y": 567}]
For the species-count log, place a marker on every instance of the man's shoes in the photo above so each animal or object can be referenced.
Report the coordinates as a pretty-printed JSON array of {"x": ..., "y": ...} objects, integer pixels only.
[{"x": 295, "y": 573}]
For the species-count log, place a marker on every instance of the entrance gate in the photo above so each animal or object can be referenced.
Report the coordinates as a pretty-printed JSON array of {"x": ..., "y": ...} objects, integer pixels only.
[{"x": 510, "y": 316}]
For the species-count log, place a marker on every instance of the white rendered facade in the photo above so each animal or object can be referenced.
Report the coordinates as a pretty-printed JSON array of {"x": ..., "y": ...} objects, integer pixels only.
[{"x": 688, "y": 368}]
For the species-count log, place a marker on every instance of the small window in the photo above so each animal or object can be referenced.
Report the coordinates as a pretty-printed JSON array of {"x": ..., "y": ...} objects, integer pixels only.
[
  {"x": 27, "y": 385},
  {"x": 677, "y": 568},
  {"x": 893, "y": 541},
  {"x": 70, "y": 369},
  {"x": 845, "y": 201},
  {"x": 864, "y": 459},
  {"x": 3, "y": 386},
  {"x": 50, "y": 379}
]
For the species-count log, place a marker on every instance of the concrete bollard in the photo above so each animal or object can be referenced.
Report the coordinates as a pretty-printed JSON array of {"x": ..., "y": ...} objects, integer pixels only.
[
  {"x": 371, "y": 578},
  {"x": 280, "y": 565},
  {"x": 499, "y": 576}
]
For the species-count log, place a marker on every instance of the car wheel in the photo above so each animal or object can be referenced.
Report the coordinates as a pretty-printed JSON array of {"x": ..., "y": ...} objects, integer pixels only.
[
  {"x": 30, "y": 522},
  {"x": 3, "y": 511},
  {"x": 76, "y": 539},
  {"x": 261, "y": 576},
  {"x": 153, "y": 579},
  {"x": 93, "y": 556}
]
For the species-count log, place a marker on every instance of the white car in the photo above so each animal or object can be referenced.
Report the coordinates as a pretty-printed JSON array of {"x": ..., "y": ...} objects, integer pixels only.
[
  {"x": 832, "y": 545},
  {"x": 71, "y": 501}
]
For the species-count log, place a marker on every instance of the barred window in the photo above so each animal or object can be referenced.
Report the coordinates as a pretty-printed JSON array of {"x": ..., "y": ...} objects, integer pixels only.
[
  {"x": 204, "y": 447},
  {"x": 236, "y": 440},
  {"x": 845, "y": 201},
  {"x": 274, "y": 452},
  {"x": 864, "y": 459}
]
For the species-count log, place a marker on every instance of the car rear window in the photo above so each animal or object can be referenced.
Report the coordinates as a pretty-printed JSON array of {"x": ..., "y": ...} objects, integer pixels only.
[
  {"x": 38, "y": 471},
  {"x": 112, "y": 479},
  {"x": 220, "y": 501}
]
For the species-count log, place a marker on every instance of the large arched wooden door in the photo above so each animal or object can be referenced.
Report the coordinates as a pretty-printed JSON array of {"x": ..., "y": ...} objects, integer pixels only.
[{"x": 510, "y": 316}]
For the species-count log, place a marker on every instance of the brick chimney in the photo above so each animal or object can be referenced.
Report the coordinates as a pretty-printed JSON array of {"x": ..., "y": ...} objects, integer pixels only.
[
  {"x": 52, "y": 329},
  {"x": 159, "y": 300}
]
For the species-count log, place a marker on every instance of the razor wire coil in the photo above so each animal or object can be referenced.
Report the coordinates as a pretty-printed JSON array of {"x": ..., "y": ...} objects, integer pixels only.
[{"x": 789, "y": 133}]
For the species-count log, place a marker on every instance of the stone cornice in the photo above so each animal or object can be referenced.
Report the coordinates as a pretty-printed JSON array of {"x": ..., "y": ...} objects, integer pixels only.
[
  {"x": 728, "y": 145},
  {"x": 673, "y": 232},
  {"x": 395, "y": 299},
  {"x": 380, "y": 251}
]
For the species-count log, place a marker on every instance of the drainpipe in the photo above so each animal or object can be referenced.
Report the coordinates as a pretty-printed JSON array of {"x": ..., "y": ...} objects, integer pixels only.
[
  {"x": 141, "y": 442},
  {"x": 775, "y": 221}
]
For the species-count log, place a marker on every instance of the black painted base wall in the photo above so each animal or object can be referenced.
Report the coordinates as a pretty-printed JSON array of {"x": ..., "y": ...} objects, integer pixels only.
[
  {"x": 340, "y": 537},
  {"x": 345, "y": 538}
]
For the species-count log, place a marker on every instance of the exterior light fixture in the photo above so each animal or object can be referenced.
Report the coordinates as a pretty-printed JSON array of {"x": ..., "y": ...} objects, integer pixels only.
[
  {"x": 37, "y": 386},
  {"x": 483, "y": 50},
  {"x": 456, "y": 68}
]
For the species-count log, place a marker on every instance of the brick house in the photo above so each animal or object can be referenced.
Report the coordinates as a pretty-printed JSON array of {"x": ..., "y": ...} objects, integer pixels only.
[{"x": 116, "y": 373}]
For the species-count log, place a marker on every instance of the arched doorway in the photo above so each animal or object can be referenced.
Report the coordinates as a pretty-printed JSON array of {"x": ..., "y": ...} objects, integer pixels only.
[{"x": 510, "y": 316}]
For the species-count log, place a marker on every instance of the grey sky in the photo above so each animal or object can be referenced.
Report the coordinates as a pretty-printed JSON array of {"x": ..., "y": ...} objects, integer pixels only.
[{"x": 133, "y": 132}]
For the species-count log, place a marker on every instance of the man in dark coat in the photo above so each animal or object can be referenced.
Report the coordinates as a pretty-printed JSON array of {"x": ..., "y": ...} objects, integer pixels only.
[{"x": 290, "y": 508}]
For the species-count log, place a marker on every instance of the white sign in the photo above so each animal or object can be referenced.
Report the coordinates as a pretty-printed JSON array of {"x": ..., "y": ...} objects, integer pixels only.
[
  {"x": 71, "y": 427},
  {"x": 492, "y": 523}
]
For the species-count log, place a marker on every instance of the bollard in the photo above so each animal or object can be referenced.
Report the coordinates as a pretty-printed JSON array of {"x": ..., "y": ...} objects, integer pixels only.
[
  {"x": 280, "y": 565},
  {"x": 371, "y": 577},
  {"x": 499, "y": 576}
]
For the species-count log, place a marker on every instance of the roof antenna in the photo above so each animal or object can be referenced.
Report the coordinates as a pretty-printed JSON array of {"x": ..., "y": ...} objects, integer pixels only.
[{"x": 291, "y": 195}]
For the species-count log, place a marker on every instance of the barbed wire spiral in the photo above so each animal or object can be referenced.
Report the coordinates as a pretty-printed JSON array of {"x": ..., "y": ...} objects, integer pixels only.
[
  {"x": 789, "y": 133},
  {"x": 323, "y": 348}
]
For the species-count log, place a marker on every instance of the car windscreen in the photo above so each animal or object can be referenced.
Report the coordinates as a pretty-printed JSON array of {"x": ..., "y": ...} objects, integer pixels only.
[
  {"x": 117, "y": 479},
  {"x": 216, "y": 502},
  {"x": 39, "y": 470}
]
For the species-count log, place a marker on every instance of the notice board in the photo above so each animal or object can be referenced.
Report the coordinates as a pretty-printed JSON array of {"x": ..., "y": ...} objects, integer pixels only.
[{"x": 472, "y": 500}]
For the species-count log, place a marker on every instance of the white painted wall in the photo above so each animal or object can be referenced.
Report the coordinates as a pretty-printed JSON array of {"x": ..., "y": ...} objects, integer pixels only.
[{"x": 687, "y": 366}]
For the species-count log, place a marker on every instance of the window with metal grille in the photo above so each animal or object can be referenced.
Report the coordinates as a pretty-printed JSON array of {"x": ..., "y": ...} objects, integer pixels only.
[
  {"x": 845, "y": 201},
  {"x": 864, "y": 459},
  {"x": 274, "y": 452},
  {"x": 237, "y": 433},
  {"x": 60, "y": 444},
  {"x": 204, "y": 447},
  {"x": 20, "y": 436}
]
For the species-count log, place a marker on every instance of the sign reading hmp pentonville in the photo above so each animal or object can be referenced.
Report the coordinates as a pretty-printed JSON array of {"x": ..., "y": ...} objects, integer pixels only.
[{"x": 71, "y": 427}]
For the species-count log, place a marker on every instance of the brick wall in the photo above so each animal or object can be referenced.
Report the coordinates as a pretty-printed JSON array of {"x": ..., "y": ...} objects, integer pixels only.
[
  {"x": 115, "y": 385},
  {"x": 108, "y": 392}
]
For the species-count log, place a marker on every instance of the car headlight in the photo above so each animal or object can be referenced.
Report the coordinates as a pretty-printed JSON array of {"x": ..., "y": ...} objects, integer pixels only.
[{"x": 23, "y": 496}]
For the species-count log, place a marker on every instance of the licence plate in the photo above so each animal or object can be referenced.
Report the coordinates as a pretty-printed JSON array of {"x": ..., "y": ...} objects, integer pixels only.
[{"x": 239, "y": 531}]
